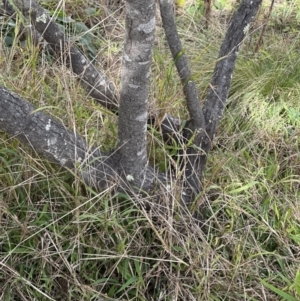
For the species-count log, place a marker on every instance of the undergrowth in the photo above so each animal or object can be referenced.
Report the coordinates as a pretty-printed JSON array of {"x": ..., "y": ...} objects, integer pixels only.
[{"x": 60, "y": 240}]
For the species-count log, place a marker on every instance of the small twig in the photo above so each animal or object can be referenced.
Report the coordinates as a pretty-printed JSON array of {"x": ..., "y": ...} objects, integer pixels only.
[{"x": 259, "y": 42}]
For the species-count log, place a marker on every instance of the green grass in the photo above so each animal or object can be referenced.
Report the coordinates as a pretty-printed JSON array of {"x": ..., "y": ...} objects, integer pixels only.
[{"x": 60, "y": 240}]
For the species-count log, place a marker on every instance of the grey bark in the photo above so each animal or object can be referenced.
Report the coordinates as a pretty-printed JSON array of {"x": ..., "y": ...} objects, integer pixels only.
[
  {"x": 195, "y": 127},
  {"x": 94, "y": 81},
  {"x": 189, "y": 87},
  {"x": 220, "y": 84},
  {"x": 53, "y": 141},
  {"x": 136, "y": 71},
  {"x": 209, "y": 117},
  {"x": 213, "y": 108}
]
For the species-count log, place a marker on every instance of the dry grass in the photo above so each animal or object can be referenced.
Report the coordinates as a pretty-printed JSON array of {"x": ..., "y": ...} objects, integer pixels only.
[{"x": 60, "y": 240}]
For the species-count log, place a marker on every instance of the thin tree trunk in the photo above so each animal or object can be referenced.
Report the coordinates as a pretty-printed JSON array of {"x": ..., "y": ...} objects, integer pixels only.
[
  {"x": 189, "y": 87},
  {"x": 220, "y": 84},
  {"x": 133, "y": 112},
  {"x": 207, "y": 12},
  {"x": 213, "y": 108},
  {"x": 195, "y": 127},
  {"x": 267, "y": 18}
]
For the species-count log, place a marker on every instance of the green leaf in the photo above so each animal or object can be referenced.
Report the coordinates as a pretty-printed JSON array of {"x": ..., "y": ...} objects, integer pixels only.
[
  {"x": 297, "y": 283},
  {"x": 127, "y": 283},
  {"x": 243, "y": 188},
  {"x": 90, "y": 11},
  {"x": 43, "y": 108},
  {"x": 279, "y": 292},
  {"x": 9, "y": 40}
]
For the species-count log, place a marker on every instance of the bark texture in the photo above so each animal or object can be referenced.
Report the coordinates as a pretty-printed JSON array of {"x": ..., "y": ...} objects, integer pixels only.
[
  {"x": 194, "y": 130},
  {"x": 217, "y": 95},
  {"x": 96, "y": 83},
  {"x": 133, "y": 113},
  {"x": 220, "y": 84},
  {"x": 56, "y": 143},
  {"x": 189, "y": 87},
  {"x": 53, "y": 141},
  {"x": 201, "y": 128}
]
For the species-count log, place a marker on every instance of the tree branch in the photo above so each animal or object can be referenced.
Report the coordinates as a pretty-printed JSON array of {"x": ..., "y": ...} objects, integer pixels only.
[
  {"x": 94, "y": 81},
  {"x": 209, "y": 118},
  {"x": 191, "y": 162},
  {"x": 220, "y": 84},
  {"x": 219, "y": 88},
  {"x": 53, "y": 141},
  {"x": 189, "y": 87}
]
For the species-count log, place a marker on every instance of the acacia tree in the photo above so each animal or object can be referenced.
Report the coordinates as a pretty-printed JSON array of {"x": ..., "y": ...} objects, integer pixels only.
[{"x": 127, "y": 167}]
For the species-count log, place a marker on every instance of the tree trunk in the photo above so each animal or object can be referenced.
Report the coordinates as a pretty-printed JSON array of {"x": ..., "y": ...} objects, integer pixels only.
[
  {"x": 220, "y": 84},
  {"x": 213, "y": 108},
  {"x": 189, "y": 87},
  {"x": 191, "y": 181},
  {"x": 133, "y": 113}
]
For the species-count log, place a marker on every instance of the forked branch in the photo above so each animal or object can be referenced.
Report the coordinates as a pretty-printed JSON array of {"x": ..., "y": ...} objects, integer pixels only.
[
  {"x": 207, "y": 120},
  {"x": 45, "y": 135}
]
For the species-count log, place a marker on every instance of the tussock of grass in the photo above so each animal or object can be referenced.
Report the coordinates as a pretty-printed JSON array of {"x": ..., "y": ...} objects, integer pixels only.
[{"x": 60, "y": 240}]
